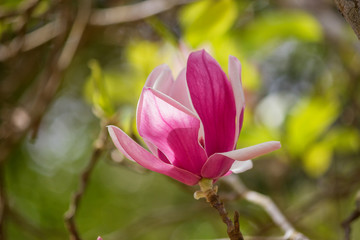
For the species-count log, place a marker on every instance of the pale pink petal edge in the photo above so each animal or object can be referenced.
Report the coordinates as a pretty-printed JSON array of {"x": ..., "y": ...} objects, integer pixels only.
[
  {"x": 180, "y": 91},
  {"x": 160, "y": 79},
  {"x": 219, "y": 164},
  {"x": 235, "y": 79},
  {"x": 251, "y": 152},
  {"x": 241, "y": 166}
]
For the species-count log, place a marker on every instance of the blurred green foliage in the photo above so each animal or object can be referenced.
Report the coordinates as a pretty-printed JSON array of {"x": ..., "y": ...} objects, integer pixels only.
[
  {"x": 277, "y": 25},
  {"x": 206, "y": 20},
  {"x": 296, "y": 81},
  {"x": 9, "y": 4}
]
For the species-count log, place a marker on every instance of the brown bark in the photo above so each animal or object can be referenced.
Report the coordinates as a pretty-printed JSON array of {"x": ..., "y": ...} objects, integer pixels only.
[{"x": 350, "y": 9}]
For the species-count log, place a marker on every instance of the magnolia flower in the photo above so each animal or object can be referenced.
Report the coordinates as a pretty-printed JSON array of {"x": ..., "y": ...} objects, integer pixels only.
[{"x": 191, "y": 124}]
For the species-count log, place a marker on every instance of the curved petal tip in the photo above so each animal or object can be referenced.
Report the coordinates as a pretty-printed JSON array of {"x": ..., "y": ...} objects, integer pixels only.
[{"x": 241, "y": 166}]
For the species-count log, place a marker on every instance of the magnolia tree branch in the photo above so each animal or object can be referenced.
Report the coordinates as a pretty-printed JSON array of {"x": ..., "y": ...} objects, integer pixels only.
[
  {"x": 233, "y": 228},
  {"x": 350, "y": 9},
  {"x": 65, "y": 58},
  {"x": 16, "y": 124},
  {"x": 98, "y": 149},
  {"x": 346, "y": 224},
  {"x": 21, "y": 119},
  {"x": 209, "y": 192},
  {"x": 24, "y": 13},
  {"x": 268, "y": 205},
  {"x": 31, "y": 40}
]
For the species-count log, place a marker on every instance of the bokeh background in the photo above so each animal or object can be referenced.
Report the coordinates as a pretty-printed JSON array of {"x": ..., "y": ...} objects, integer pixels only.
[{"x": 301, "y": 77}]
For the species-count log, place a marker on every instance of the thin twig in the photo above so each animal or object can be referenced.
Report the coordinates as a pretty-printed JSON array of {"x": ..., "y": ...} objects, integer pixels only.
[
  {"x": 346, "y": 224},
  {"x": 47, "y": 91},
  {"x": 209, "y": 192},
  {"x": 20, "y": 31},
  {"x": 20, "y": 119},
  {"x": 134, "y": 12},
  {"x": 65, "y": 58},
  {"x": 268, "y": 205},
  {"x": 12, "y": 130},
  {"x": 22, "y": 9},
  {"x": 216, "y": 203},
  {"x": 70, "y": 215},
  {"x": 31, "y": 40}
]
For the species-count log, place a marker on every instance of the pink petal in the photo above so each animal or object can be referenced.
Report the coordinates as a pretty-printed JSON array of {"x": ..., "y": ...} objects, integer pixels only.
[
  {"x": 219, "y": 163},
  {"x": 239, "y": 123},
  {"x": 180, "y": 92},
  {"x": 154, "y": 150},
  {"x": 213, "y": 100},
  {"x": 151, "y": 147},
  {"x": 160, "y": 79},
  {"x": 235, "y": 79},
  {"x": 216, "y": 166},
  {"x": 134, "y": 151},
  {"x": 172, "y": 128}
]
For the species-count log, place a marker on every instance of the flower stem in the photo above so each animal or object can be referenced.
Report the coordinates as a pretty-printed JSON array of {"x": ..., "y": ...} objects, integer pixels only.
[{"x": 209, "y": 192}]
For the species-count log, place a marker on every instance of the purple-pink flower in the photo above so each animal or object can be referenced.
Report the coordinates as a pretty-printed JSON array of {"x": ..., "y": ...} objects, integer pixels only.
[{"x": 191, "y": 124}]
